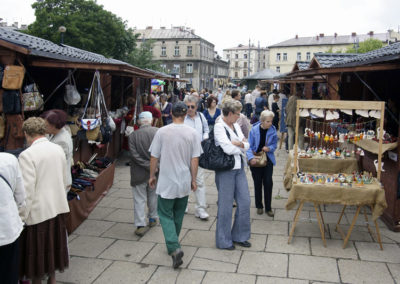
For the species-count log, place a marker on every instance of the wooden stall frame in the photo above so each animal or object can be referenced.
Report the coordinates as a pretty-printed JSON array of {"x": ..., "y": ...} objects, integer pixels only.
[{"x": 337, "y": 104}]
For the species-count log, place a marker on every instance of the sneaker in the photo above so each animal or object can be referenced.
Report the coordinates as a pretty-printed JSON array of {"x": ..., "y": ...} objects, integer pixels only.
[
  {"x": 260, "y": 211},
  {"x": 140, "y": 231},
  {"x": 177, "y": 258},
  {"x": 202, "y": 214},
  {"x": 152, "y": 222},
  {"x": 270, "y": 213}
]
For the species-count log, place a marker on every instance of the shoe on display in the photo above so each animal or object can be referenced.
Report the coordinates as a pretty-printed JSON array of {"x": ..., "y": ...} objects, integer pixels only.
[
  {"x": 260, "y": 211},
  {"x": 177, "y": 258},
  {"x": 202, "y": 214},
  {"x": 270, "y": 213},
  {"x": 152, "y": 222},
  {"x": 244, "y": 244},
  {"x": 140, "y": 231}
]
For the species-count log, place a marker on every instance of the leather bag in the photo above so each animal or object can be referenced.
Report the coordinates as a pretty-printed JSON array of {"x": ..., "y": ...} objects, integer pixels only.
[
  {"x": 15, "y": 122},
  {"x": 32, "y": 101},
  {"x": 2, "y": 126},
  {"x": 213, "y": 157},
  {"x": 13, "y": 77},
  {"x": 261, "y": 159},
  {"x": 11, "y": 100}
]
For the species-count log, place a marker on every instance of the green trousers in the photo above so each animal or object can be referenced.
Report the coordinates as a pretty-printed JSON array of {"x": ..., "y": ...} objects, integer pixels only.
[{"x": 170, "y": 213}]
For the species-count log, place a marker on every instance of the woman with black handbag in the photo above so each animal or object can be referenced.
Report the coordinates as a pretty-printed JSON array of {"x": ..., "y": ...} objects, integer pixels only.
[
  {"x": 263, "y": 141},
  {"x": 232, "y": 184}
]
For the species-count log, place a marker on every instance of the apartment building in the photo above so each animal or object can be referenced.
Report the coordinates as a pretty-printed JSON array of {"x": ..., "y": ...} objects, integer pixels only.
[
  {"x": 183, "y": 53},
  {"x": 283, "y": 55},
  {"x": 245, "y": 60}
]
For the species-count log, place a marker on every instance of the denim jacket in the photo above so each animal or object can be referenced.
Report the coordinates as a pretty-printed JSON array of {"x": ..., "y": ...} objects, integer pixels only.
[{"x": 271, "y": 141}]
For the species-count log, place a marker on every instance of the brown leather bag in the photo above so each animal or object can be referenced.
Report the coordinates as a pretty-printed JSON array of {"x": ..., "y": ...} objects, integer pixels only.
[
  {"x": 15, "y": 122},
  {"x": 1, "y": 100},
  {"x": 2, "y": 126},
  {"x": 13, "y": 77}
]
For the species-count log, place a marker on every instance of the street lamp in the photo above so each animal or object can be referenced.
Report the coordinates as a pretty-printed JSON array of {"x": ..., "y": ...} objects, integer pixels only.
[{"x": 62, "y": 30}]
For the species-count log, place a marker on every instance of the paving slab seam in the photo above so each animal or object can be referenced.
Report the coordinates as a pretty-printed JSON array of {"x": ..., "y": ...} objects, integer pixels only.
[
  {"x": 390, "y": 272},
  {"x": 105, "y": 269},
  {"x": 218, "y": 260},
  {"x": 337, "y": 266}
]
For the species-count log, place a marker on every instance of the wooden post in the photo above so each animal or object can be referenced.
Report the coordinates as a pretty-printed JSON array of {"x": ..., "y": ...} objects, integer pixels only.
[
  {"x": 296, "y": 137},
  {"x": 378, "y": 173},
  {"x": 333, "y": 86}
]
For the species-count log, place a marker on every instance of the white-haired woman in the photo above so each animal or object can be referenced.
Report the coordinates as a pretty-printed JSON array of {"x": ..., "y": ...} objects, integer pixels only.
[
  {"x": 263, "y": 137},
  {"x": 232, "y": 184}
]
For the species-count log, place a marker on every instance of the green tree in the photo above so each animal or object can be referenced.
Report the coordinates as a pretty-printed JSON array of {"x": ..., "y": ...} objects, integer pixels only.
[
  {"x": 89, "y": 27},
  {"x": 143, "y": 57},
  {"x": 365, "y": 46}
]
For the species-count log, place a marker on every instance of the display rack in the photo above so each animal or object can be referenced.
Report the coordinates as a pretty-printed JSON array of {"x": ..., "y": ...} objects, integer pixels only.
[{"x": 341, "y": 105}]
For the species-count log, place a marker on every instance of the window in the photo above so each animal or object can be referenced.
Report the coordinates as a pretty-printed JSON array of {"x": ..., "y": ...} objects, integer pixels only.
[
  {"x": 264, "y": 65},
  {"x": 236, "y": 75},
  {"x": 176, "y": 51},
  {"x": 245, "y": 56},
  {"x": 285, "y": 57},
  {"x": 278, "y": 57},
  {"x": 236, "y": 64},
  {"x": 264, "y": 57},
  {"x": 189, "y": 68},
  {"x": 236, "y": 56},
  {"x": 245, "y": 64},
  {"x": 177, "y": 69},
  {"x": 163, "y": 66},
  {"x": 308, "y": 56},
  {"x": 228, "y": 56},
  {"x": 163, "y": 51},
  {"x": 244, "y": 73},
  {"x": 278, "y": 69},
  {"x": 189, "y": 50},
  {"x": 298, "y": 56}
]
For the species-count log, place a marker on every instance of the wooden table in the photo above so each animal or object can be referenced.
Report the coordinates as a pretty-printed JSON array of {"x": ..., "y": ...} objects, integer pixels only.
[{"x": 371, "y": 195}]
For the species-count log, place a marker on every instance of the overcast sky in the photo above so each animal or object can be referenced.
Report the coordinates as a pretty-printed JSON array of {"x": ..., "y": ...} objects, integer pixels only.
[{"x": 229, "y": 23}]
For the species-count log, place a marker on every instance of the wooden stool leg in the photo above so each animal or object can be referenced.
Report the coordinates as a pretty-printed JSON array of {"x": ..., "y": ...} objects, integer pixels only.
[
  {"x": 321, "y": 227},
  {"x": 340, "y": 218},
  {"x": 296, "y": 217},
  {"x": 351, "y": 227},
  {"x": 368, "y": 226},
  {"x": 322, "y": 217},
  {"x": 378, "y": 234}
]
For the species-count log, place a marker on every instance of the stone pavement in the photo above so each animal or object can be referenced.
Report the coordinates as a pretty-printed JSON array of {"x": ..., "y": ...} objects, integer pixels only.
[{"x": 104, "y": 249}]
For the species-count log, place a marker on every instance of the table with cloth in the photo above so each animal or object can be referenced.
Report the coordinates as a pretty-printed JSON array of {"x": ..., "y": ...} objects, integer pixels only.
[
  {"x": 372, "y": 195},
  {"x": 318, "y": 164}
]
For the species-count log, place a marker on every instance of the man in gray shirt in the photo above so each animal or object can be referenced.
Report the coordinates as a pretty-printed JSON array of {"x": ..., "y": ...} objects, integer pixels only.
[
  {"x": 178, "y": 148},
  {"x": 139, "y": 143}
]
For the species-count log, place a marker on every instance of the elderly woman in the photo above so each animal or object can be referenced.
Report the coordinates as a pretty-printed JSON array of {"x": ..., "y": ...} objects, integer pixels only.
[
  {"x": 263, "y": 137},
  {"x": 58, "y": 134},
  {"x": 44, "y": 238},
  {"x": 166, "y": 108},
  {"x": 232, "y": 184}
]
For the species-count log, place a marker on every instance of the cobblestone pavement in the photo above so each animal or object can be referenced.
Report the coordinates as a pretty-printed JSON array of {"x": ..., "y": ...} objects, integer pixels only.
[{"x": 104, "y": 249}]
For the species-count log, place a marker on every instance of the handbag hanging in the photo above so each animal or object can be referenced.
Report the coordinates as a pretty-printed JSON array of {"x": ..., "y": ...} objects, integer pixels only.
[
  {"x": 71, "y": 96},
  {"x": 213, "y": 157},
  {"x": 32, "y": 100},
  {"x": 13, "y": 77},
  {"x": 261, "y": 159},
  {"x": 2, "y": 126},
  {"x": 11, "y": 102}
]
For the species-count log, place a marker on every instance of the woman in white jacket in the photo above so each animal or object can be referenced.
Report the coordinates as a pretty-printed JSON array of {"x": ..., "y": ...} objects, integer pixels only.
[
  {"x": 12, "y": 199},
  {"x": 232, "y": 184},
  {"x": 44, "y": 239}
]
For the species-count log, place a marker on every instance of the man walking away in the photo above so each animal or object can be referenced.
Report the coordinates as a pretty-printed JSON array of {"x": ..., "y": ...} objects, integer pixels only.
[
  {"x": 177, "y": 147},
  {"x": 139, "y": 143}
]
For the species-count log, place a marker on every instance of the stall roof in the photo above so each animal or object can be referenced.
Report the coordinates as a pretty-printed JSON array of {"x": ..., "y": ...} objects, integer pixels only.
[
  {"x": 326, "y": 60},
  {"x": 387, "y": 53},
  {"x": 48, "y": 54},
  {"x": 300, "y": 65}
]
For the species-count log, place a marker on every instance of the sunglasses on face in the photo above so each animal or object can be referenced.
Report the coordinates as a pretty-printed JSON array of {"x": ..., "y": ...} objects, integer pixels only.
[{"x": 192, "y": 107}]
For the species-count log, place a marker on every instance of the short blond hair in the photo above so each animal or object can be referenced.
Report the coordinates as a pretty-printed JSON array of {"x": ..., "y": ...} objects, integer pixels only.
[
  {"x": 266, "y": 113},
  {"x": 230, "y": 105},
  {"x": 34, "y": 126}
]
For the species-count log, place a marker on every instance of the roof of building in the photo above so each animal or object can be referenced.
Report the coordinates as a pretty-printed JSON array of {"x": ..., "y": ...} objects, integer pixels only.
[
  {"x": 387, "y": 53},
  {"x": 326, "y": 60},
  {"x": 245, "y": 47},
  {"x": 177, "y": 33},
  {"x": 331, "y": 40},
  {"x": 45, "y": 48},
  {"x": 301, "y": 65},
  {"x": 263, "y": 74}
]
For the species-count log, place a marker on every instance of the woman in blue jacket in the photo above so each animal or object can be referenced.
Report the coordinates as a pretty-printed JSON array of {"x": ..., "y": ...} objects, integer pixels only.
[{"x": 263, "y": 137}]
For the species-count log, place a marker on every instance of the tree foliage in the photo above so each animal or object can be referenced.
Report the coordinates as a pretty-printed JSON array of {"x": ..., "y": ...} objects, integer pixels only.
[
  {"x": 142, "y": 56},
  {"x": 365, "y": 46},
  {"x": 89, "y": 27}
]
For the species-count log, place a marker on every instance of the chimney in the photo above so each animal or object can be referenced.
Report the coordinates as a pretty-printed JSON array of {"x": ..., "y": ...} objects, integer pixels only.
[
  {"x": 15, "y": 25},
  {"x": 149, "y": 28},
  {"x": 321, "y": 35},
  {"x": 297, "y": 36},
  {"x": 335, "y": 34},
  {"x": 371, "y": 33},
  {"x": 163, "y": 28},
  {"x": 353, "y": 34}
]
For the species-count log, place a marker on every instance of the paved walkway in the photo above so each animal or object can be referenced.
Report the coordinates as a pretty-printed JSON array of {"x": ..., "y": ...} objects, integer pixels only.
[{"x": 104, "y": 249}]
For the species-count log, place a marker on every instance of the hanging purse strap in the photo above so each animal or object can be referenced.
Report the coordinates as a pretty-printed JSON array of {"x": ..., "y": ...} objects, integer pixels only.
[{"x": 89, "y": 95}]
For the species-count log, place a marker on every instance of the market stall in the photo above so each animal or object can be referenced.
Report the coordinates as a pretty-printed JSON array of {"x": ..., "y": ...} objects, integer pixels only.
[{"x": 333, "y": 175}]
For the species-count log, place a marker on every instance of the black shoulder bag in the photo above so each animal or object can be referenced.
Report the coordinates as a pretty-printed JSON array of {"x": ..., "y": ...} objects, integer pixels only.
[{"x": 213, "y": 157}]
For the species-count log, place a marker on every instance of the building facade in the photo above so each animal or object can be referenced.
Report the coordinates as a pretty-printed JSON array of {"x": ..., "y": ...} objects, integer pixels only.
[
  {"x": 245, "y": 60},
  {"x": 184, "y": 54},
  {"x": 283, "y": 55}
]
